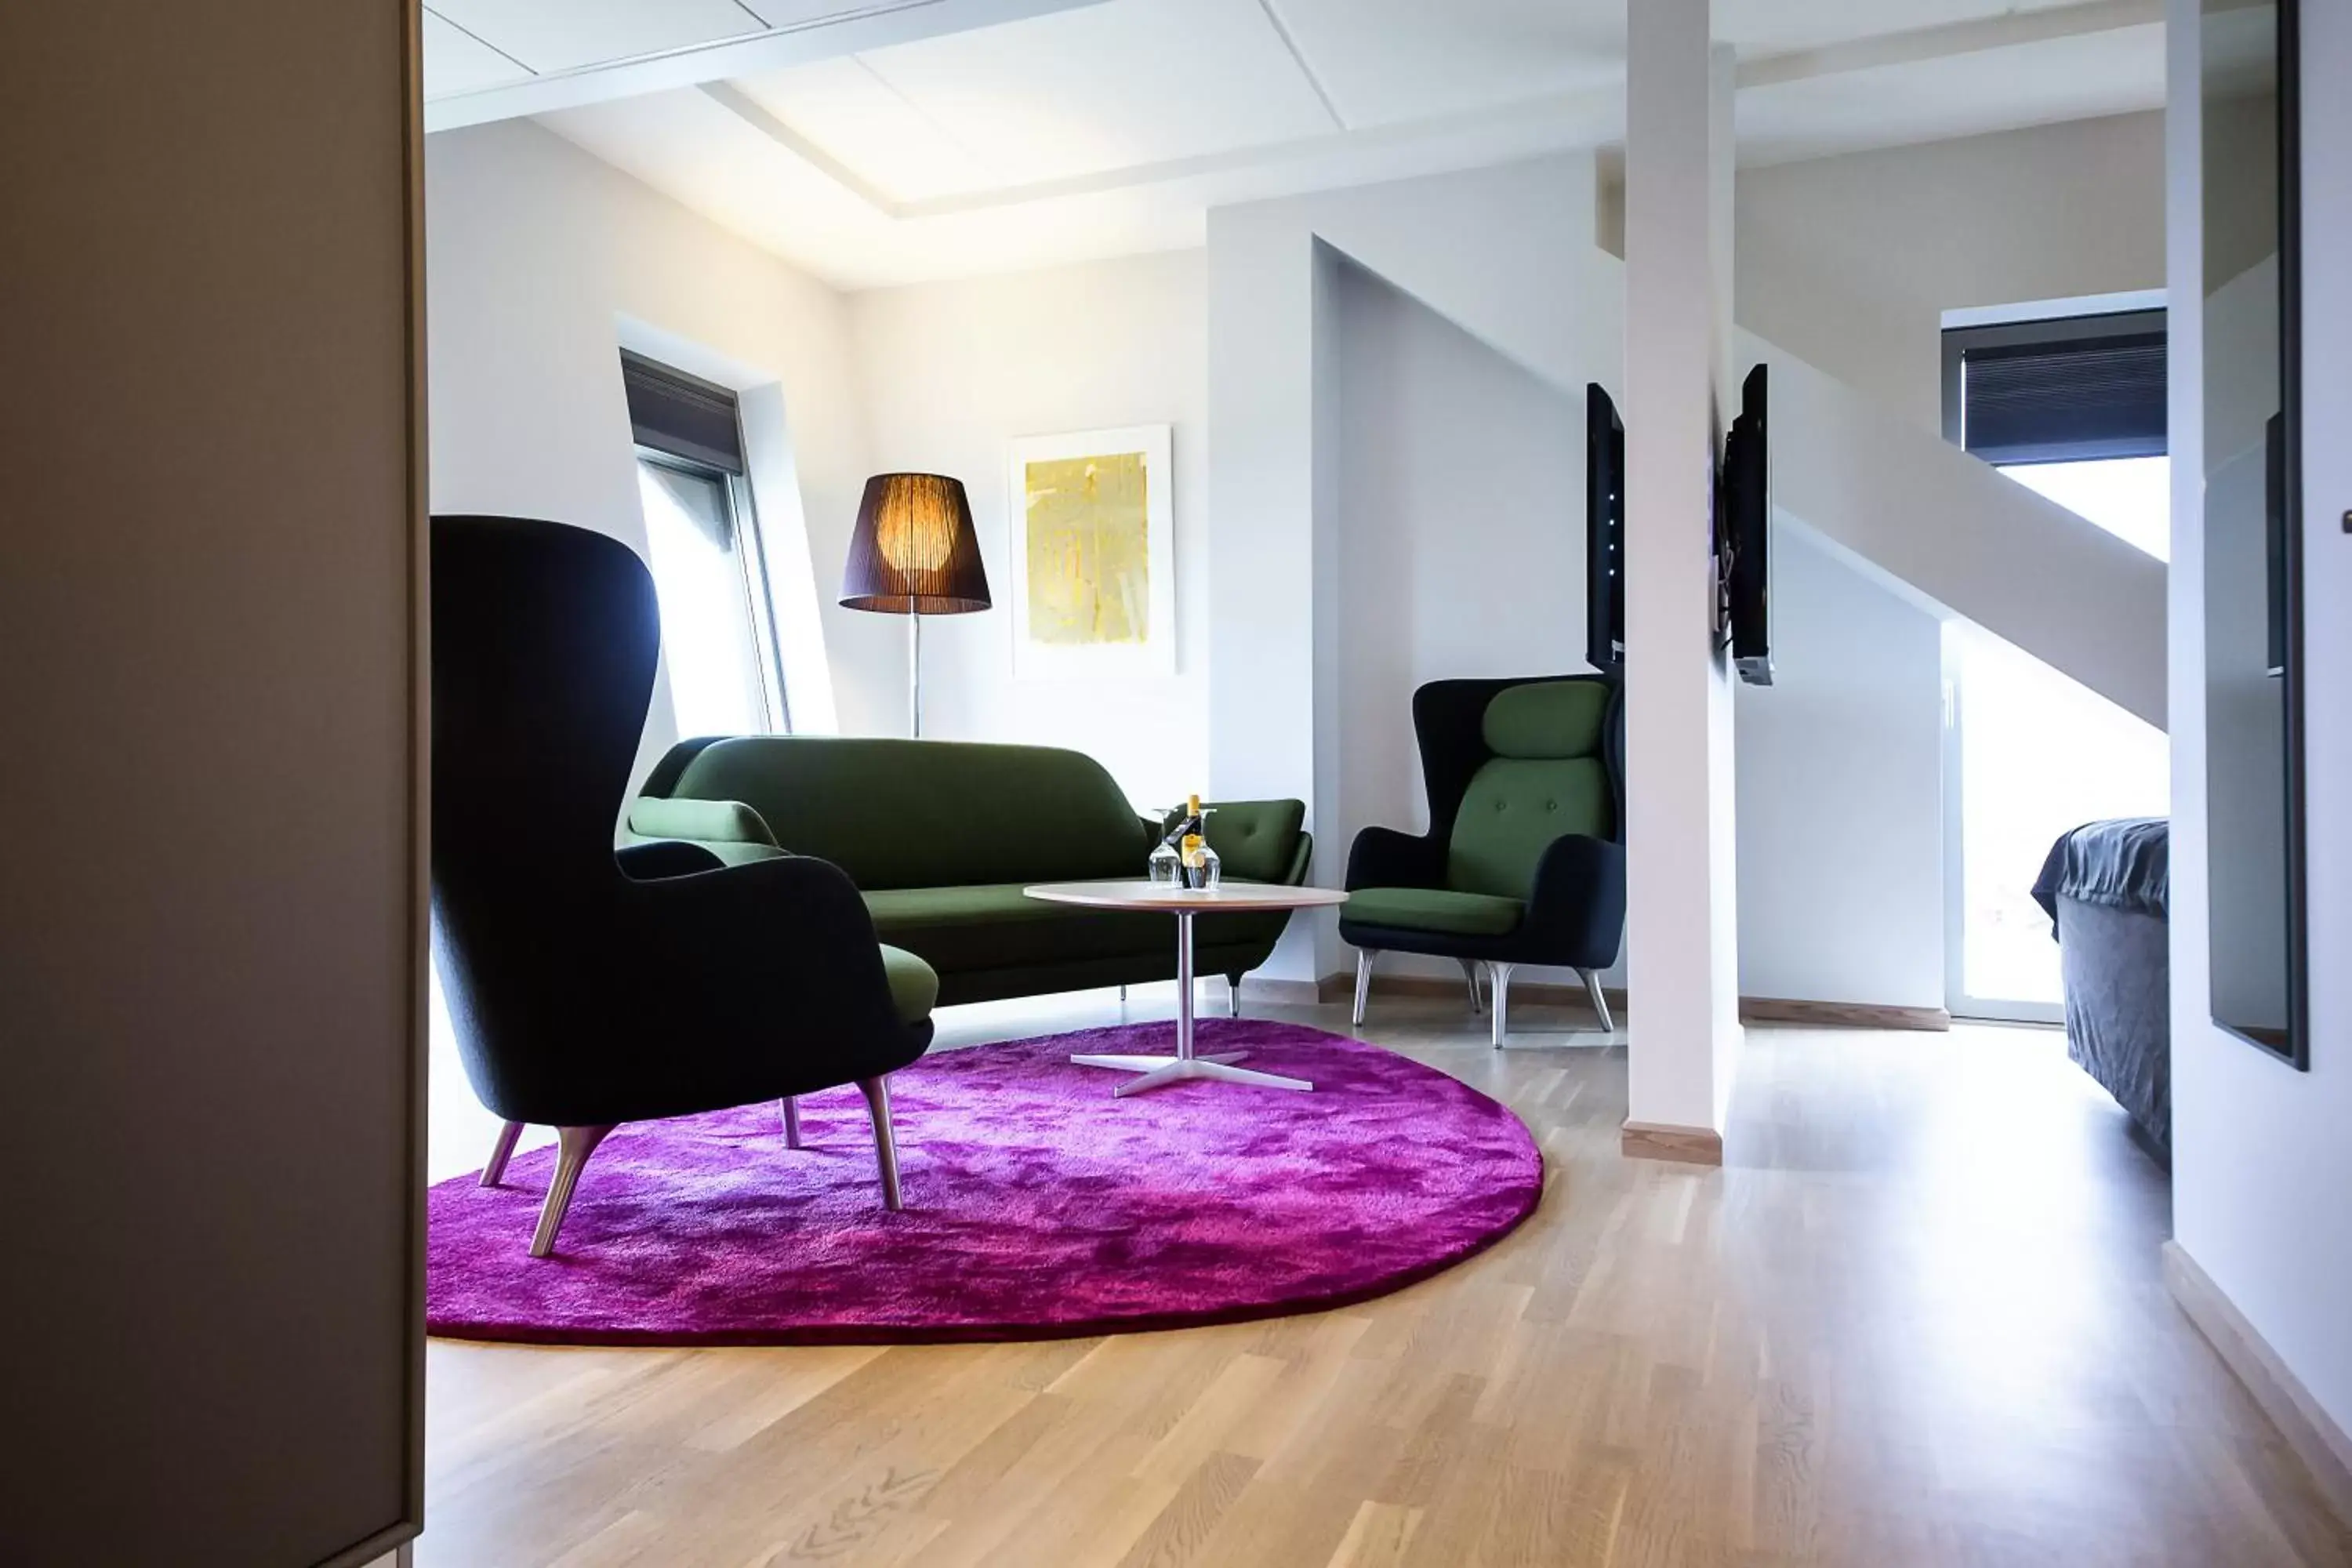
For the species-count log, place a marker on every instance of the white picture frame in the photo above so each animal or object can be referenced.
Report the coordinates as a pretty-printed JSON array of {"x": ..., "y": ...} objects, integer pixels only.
[{"x": 1047, "y": 651}]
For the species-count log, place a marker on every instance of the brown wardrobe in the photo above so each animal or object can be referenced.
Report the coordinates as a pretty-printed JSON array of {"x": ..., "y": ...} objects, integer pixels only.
[{"x": 211, "y": 916}]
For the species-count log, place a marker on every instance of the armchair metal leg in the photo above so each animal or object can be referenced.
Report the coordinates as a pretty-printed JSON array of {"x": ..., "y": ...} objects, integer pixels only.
[
  {"x": 1470, "y": 976},
  {"x": 573, "y": 1146},
  {"x": 1499, "y": 976},
  {"x": 1600, "y": 1001},
  {"x": 792, "y": 1122},
  {"x": 885, "y": 1146},
  {"x": 495, "y": 1171},
  {"x": 1232, "y": 995},
  {"x": 1364, "y": 956}
]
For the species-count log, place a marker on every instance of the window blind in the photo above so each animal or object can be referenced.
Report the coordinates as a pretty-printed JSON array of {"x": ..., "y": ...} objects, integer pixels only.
[
  {"x": 2064, "y": 399},
  {"x": 675, "y": 413}
]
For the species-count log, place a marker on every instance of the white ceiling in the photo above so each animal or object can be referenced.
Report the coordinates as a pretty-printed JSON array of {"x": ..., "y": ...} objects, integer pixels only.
[{"x": 896, "y": 140}]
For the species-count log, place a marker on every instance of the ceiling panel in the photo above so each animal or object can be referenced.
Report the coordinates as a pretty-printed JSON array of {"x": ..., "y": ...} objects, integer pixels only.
[
  {"x": 1782, "y": 27},
  {"x": 2112, "y": 72},
  {"x": 1108, "y": 86},
  {"x": 801, "y": 13},
  {"x": 456, "y": 61},
  {"x": 564, "y": 35},
  {"x": 854, "y": 117},
  {"x": 1384, "y": 61}
]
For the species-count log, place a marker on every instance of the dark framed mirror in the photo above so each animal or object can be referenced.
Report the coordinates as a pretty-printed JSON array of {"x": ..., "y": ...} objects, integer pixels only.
[{"x": 2253, "y": 533}]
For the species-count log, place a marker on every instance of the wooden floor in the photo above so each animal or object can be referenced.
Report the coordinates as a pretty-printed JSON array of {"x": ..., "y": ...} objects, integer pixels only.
[{"x": 1916, "y": 1319}]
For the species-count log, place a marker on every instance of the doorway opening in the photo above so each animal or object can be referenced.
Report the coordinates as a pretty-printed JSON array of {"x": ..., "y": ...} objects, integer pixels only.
[{"x": 2073, "y": 408}]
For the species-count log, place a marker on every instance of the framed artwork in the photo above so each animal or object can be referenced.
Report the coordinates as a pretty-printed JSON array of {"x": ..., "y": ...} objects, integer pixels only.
[{"x": 1093, "y": 553}]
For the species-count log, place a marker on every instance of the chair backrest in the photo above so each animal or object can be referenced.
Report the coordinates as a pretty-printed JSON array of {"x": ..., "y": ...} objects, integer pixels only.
[
  {"x": 544, "y": 644},
  {"x": 929, "y": 813},
  {"x": 1546, "y": 773}
]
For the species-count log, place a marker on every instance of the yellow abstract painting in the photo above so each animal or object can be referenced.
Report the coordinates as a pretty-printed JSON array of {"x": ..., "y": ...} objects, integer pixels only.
[{"x": 1089, "y": 566}]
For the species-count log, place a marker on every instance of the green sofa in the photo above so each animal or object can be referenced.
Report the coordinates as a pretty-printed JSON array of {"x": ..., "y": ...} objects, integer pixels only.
[{"x": 942, "y": 835}]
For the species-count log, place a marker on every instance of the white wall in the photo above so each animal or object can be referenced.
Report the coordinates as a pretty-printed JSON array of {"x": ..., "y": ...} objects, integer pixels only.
[
  {"x": 1849, "y": 262},
  {"x": 1507, "y": 254},
  {"x": 2261, "y": 1159},
  {"x": 951, "y": 373},
  {"x": 539, "y": 260},
  {"x": 1841, "y": 770},
  {"x": 1461, "y": 537}
]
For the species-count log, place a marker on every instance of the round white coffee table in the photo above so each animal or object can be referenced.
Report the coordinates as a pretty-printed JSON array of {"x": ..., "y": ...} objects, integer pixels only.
[{"x": 1184, "y": 903}]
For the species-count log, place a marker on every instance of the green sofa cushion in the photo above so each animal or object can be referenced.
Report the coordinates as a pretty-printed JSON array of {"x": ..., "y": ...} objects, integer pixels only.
[
  {"x": 1510, "y": 815},
  {"x": 1547, "y": 719},
  {"x": 960, "y": 930},
  {"x": 914, "y": 985},
  {"x": 727, "y": 828},
  {"x": 994, "y": 925},
  {"x": 1431, "y": 909},
  {"x": 926, "y": 814}
]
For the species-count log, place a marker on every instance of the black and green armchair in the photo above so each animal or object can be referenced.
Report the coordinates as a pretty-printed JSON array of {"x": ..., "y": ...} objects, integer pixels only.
[
  {"x": 590, "y": 987},
  {"x": 1524, "y": 860}
]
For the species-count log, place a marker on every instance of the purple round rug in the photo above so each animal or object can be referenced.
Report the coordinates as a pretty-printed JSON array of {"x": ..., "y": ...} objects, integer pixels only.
[{"x": 1036, "y": 1206}]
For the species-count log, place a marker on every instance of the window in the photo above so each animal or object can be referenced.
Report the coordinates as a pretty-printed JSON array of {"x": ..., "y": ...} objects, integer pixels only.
[
  {"x": 719, "y": 641},
  {"x": 2074, "y": 409}
]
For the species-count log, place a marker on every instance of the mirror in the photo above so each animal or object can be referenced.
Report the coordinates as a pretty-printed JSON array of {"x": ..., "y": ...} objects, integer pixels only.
[{"x": 2254, "y": 773}]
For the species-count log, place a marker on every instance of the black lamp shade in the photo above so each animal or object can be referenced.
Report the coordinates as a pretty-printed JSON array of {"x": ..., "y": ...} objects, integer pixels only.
[{"x": 915, "y": 551}]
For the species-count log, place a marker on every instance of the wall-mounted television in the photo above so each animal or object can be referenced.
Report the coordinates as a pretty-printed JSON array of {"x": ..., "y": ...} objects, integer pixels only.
[
  {"x": 1605, "y": 532},
  {"x": 1745, "y": 547}
]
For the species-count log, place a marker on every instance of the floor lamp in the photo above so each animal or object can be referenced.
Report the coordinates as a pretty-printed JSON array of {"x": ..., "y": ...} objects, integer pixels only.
[{"x": 914, "y": 553}]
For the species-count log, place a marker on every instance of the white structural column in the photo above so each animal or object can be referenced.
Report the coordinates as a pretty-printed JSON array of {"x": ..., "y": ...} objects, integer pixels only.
[{"x": 1682, "y": 926}]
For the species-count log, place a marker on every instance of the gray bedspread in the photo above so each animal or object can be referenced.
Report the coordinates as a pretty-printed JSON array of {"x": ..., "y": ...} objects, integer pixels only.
[{"x": 2105, "y": 886}]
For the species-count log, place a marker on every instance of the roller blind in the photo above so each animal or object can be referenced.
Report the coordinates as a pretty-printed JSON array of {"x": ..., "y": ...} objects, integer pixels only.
[
  {"x": 2075, "y": 397},
  {"x": 675, "y": 413}
]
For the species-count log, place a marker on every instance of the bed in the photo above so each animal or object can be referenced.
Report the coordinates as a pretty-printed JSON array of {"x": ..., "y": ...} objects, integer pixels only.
[{"x": 2104, "y": 887}]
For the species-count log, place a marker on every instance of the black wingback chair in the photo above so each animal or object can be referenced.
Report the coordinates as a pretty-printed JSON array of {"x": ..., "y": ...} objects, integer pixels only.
[
  {"x": 1524, "y": 861},
  {"x": 590, "y": 987}
]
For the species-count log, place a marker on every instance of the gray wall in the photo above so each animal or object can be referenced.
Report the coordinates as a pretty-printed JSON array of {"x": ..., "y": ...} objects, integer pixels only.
[{"x": 209, "y": 921}]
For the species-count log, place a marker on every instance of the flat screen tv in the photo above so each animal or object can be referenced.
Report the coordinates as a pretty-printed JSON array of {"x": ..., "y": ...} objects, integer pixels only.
[
  {"x": 1605, "y": 532},
  {"x": 1747, "y": 542}
]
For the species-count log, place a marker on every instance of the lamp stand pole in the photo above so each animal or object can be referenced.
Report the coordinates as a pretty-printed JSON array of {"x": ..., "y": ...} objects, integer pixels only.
[{"x": 915, "y": 673}]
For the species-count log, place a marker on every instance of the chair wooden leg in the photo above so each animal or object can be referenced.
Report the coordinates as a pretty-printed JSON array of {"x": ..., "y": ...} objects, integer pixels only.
[
  {"x": 792, "y": 1122},
  {"x": 495, "y": 1171},
  {"x": 885, "y": 1146},
  {"x": 573, "y": 1146}
]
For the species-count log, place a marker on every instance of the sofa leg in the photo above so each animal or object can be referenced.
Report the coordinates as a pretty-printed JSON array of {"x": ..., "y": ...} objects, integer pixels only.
[
  {"x": 1364, "y": 956},
  {"x": 573, "y": 1146},
  {"x": 792, "y": 1122},
  {"x": 1232, "y": 995},
  {"x": 885, "y": 1145},
  {"x": 1470, "y": 976},
  {"x": 1599, "y": 1000},
  {"x": 1499, "y": 975},
  {"x": 495, "y": 1171}
]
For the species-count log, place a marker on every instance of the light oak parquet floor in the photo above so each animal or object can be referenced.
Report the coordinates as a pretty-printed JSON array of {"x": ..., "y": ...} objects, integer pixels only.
[{"x": 1917, "y": 1318}]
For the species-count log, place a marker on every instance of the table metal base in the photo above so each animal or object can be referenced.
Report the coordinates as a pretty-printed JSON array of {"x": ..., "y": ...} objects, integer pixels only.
[{"x": 1158, "y": 1071}]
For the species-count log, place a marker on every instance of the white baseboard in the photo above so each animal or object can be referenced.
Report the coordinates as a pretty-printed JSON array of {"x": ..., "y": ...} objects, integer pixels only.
[{"x": 2322, "y": 1445}]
